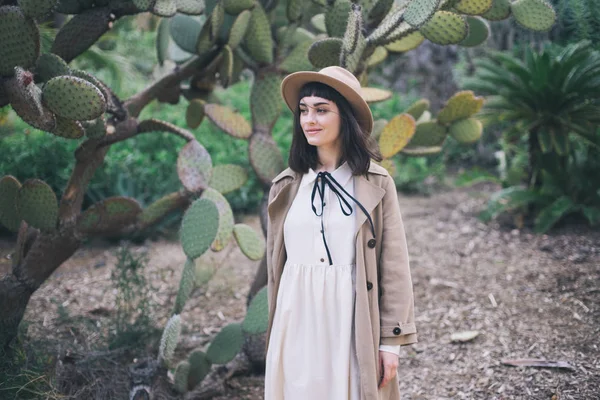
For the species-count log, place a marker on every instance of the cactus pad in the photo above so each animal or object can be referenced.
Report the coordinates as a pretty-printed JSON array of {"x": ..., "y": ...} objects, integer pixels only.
[
  {"x": 225, "y": 218},
  {"x": 226, "y": 67},
  {"x": 417, "y": 108},
  {"x": 73, "y": 98},
  {"x": 446, "y": 28},
  {"x": 500, "y": 10},
  {"x": 473, "y": 7},
  {"x": 378, "y": 56},
  {"x": 26, "y": 99},
  {"x": 462, "y": 105},
  {"x": 231, "y": 122},
  {"x": 421, "y": 151},
  {"x": 184, "y": 31},
  {"x": 428, "y": 134},
  {"x": 96, "y": 128},
  {"x": 336, "y": 18},
  {"x": 164, "y": 8},
  {"x": 536, "y": 15},
  {"x": 194, "y": 166},
  {"x": 407, "y": 43},
  {"x": 199, "y": 227},
  {"x": 37, "y": 205},
  {"x": 265, "y": 101},
  {"x": 20, "y": 40},
  {"x": 169, "y": 339},
  {"x": 378, "y": 126},
  {"x": 265, "y": 157},
  {"x": 204, "y": 270},
  {"x": 239, "y": 28},
  {"x": 109, "y": 216},
  {"x": 251, "y": 243},
  {"x": 318, "y": 22},
  {"x": 143, "y": 5},
  {"x": 325, "y": 52},
  {"x": 259, "y": 41},
  {"x": 389, "y": 165},
  {"x": 9, "y": 187},
  {"x": 68, "y": 7},
  {"x": 155, "y": 125},
  {"x": 298, "y": 60},
  {"x": 479, "y": 31},
  {"x": 190, "y": 7},
  {"x": 49, "y": 66},
  {"x": 354, "y": 42},
  {"x": 226, "y": 345},
  {"x": 180, "y": 378},
  {"x": 186, "y": 285},
  {"x": 466, "y": 130},
  {"x": 81, "y": 32},
  {"x": 396, "y": 134},
  {"x": 199, "y": 368},
  {"x": 195, "y": 113},
  {"x": 217, "y": 17},
  {"x": 227, "y": 178},
  {"x": 68, "y": 128},
  {"x": 257, "y": 316},
  {"x": 294, "y": 10},
  {"x": 37, "y": 9},
  {"x": 234, "y": 7},
  {"x": 373, "y": 95},
  {"x": 159, "y": 209},
  {"x": 417, "y": 13}
]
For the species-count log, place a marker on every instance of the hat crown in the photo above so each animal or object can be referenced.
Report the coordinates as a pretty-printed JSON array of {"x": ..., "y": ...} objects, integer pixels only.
[{"x": 343, "y": 75}]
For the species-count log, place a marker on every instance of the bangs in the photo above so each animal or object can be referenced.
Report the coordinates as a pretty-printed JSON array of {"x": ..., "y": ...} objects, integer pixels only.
[{"x": 319, "y": 89}]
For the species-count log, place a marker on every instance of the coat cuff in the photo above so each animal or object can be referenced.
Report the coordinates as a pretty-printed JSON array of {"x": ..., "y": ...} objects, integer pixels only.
[
  {"x": 399, "y": 334},
  {"x": 390, "y": 349}
]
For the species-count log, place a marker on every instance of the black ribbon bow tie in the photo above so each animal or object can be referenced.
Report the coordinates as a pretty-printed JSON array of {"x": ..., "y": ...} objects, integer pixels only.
[{"x": 325, "y": 178}]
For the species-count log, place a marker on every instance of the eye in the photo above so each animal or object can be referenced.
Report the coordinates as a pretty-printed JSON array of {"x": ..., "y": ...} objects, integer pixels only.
[
  {"x": 321, "y": 110},
  {"x": 303, "y": 111}
]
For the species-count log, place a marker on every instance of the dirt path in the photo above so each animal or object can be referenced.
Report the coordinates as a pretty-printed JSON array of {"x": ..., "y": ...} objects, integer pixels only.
[{"x": 528, "y": 296}]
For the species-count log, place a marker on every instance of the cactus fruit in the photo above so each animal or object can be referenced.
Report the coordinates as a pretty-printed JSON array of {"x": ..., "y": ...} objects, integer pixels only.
[
  {"x": 37, "y": 205},
  {"x": 49, "y": 66},
  {"x": 9, "y": 187},
  {"x": 26, "y": 99},
  {"x": 37, "y": 9},
  {"x": 199, "y": 227},
  {"x": 186, "y": 285},
  {"x": 407, "y": 43},
  {"x": 238, "y": 29},
  {"x": 536, "y": 15},
  {"x": 185, "y": 30},
  {"x": 68, "y": 128},
  {"x": 258, "y": 40},
  {"x": 195, "y": 113},
  {"x": 463, "y": 104},
  {"x": 473, "y": 7},
  {"x": 265, "y": 157},
  {"x": 396, "y": 134},
  {"x": 226, "y": 345},
  {"x": 466, "y": 130},
  {"x": 225, "y": 218},
  {"x": 169, "y": 339},
  {"x": 265, "y": 101},
  {"x": 251, "y": 243},
  {"x": 257, "y": 316},
  {"x": 109, "y": 216},
  {"x": 73, "y": 98},
  {"x": 231, "y": 122},
  {"x": 336, "y": 18},
  {"x": 418, "y": 108},
  {"x": 500, "y": 10},
  {"x": 417, "y": 13},
  {"x": 180, "y": 378},
  {"x": 325, "y": 52},
  {"x": 446, "y": 28},
  {"x": 479, "y": 31},
  {"x": 373, "y": 95},
  {"x": 199, "y": 368},
  {"x": 194, "y": 166},
  {"x": 428, "y": 134},
  {"x": 190, "y": 7},
  {"x": 227, "y": 178},
  {"x": 20, "y": 40},
  {"x": 81, "y": 32}
]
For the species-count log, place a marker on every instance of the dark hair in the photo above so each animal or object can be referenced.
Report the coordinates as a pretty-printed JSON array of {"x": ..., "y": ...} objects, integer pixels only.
[{"x": 358, "y": 147}]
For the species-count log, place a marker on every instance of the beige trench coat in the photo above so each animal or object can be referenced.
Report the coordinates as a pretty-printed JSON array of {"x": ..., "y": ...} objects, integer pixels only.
[{"x": 384, "y": 312}]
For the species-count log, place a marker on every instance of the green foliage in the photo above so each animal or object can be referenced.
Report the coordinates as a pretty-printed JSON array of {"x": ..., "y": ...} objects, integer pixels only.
[{"x": 578, "y": 20}]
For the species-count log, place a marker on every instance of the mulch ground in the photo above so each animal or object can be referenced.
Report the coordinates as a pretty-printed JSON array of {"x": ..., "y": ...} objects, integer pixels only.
[{"x": 525, "y": 296}]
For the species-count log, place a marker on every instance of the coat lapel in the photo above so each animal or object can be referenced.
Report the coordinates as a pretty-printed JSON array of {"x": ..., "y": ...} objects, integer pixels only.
[{"x": 369, "y": 195}]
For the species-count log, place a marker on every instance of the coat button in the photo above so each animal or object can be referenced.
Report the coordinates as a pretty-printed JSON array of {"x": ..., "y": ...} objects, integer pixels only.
[
  {"x": 397, "y": 331},
  {"x": 369, "y": 286},
  {"x": 371, "y": 243},
  {"x": 322, "y": 260}
]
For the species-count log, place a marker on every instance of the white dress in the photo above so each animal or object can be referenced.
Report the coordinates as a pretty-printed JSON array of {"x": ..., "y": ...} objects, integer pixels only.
[{"x": 311, "y": 352}]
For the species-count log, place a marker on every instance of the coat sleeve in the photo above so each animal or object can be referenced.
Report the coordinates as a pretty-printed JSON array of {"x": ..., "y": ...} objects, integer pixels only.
[
  {"x": 396, "y": 301},
  {"x": 270, "y": 244}
]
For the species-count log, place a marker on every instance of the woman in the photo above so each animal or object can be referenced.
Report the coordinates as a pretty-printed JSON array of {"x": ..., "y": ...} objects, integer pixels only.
[{"x": 339, "y": 285}]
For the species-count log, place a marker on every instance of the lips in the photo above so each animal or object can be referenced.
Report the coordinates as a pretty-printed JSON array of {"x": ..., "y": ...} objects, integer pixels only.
[{"x": 313, "y": 131}]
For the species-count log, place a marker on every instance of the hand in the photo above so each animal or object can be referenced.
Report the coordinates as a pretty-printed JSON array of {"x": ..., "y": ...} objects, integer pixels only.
[{"x": 388, "y": 365}]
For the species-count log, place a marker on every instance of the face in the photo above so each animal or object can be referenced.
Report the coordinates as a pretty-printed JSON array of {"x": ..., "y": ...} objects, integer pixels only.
[{"x": 320, "y": 121}]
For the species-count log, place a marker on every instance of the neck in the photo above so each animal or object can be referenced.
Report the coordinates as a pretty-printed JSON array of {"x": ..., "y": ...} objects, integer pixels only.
[{"x": 329, "y": 159}]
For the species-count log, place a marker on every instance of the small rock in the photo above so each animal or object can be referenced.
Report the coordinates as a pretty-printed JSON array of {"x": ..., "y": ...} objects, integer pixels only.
[
  {"x": 100, "y": 264},
  {"x": 578, "y": 258}
]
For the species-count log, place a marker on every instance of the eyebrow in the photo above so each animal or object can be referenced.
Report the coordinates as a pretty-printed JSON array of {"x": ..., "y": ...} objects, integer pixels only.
[{"x": 316, "y": 104}]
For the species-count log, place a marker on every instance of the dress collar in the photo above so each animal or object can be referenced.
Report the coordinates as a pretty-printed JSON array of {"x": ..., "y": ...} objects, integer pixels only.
[{"x": 342, "y": 174}]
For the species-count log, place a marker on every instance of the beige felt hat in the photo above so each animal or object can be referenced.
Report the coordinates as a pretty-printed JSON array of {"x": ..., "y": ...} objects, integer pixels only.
[{"x": 338, "y": 78}]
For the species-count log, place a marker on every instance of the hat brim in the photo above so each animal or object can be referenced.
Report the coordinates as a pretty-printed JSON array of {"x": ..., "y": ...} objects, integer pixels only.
[{"x": 291, "y": 85}]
